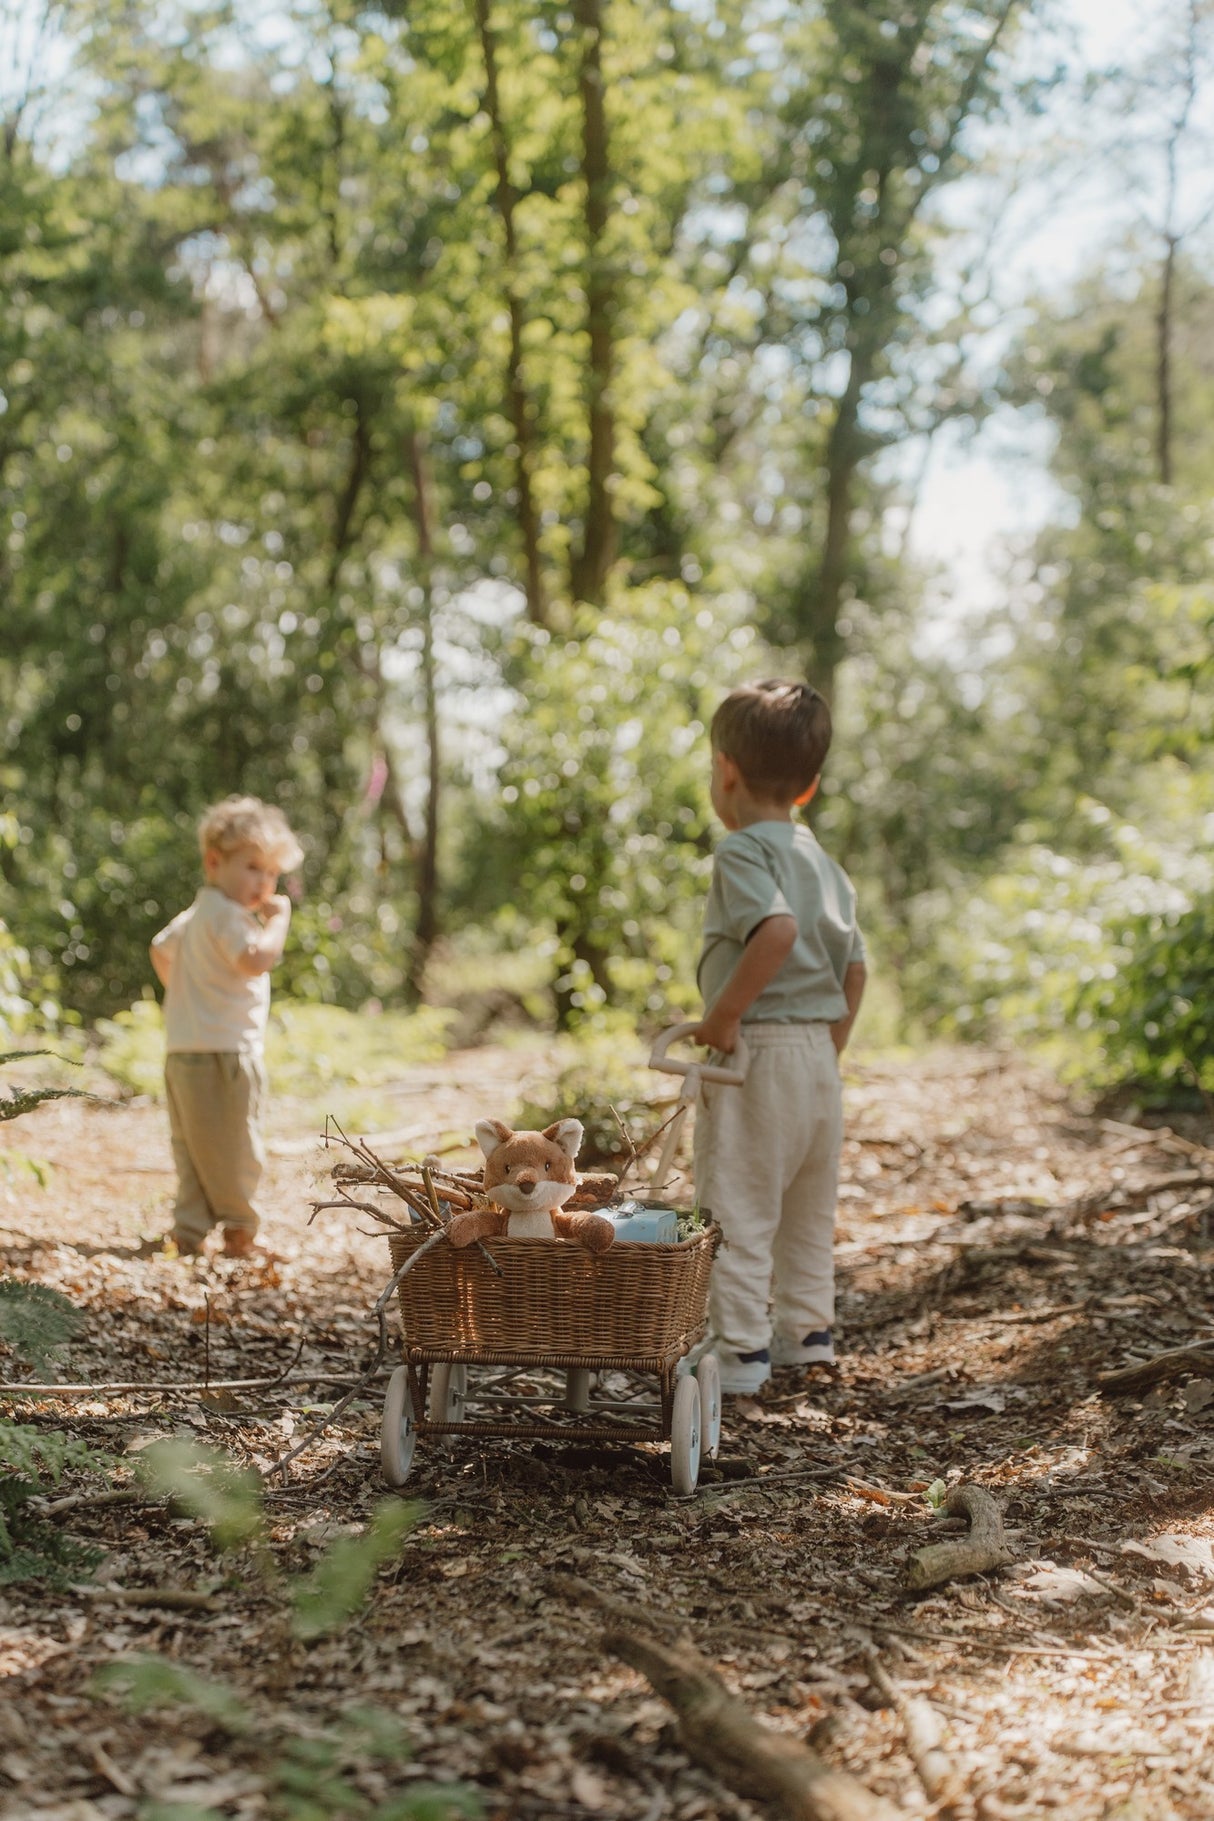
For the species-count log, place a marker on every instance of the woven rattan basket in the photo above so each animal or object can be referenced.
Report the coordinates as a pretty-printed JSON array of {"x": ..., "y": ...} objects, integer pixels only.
[{"x": 553, "y": 1301}]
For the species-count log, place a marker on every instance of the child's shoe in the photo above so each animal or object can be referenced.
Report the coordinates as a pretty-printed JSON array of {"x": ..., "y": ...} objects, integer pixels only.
[
  {"x": 816, "y": 1349},
  {"x": 238, "y": 1242},
  {"x": 742, "y": 1374},
  {"x": 173, "y": 1244}
]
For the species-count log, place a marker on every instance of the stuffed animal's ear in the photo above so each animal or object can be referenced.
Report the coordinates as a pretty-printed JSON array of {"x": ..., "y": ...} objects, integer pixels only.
[
  {"x": 490, "y": 1133},
  {"x": 568, "y": 1134}
]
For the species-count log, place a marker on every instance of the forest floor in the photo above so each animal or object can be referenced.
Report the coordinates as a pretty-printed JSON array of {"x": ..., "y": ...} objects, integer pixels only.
[{"x": 1000, "y": 1247}]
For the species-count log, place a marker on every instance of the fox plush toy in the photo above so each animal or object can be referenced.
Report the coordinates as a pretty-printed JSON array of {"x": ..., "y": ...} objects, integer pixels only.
[{"x": 530, "y": 1175}]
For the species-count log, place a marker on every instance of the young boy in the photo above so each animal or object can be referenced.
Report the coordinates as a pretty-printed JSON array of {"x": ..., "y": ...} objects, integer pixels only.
[
  {"x": 782, "y": 974},
  {"x": 214, "y": 962}
]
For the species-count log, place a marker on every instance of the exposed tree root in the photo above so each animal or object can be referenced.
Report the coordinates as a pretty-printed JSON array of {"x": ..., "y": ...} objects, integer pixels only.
[{"x": 985, "y": 1546}]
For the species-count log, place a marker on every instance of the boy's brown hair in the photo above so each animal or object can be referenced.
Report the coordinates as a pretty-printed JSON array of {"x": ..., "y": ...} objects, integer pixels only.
[
  {"x": 248, "y": 822},
  {"x": 777, "y": 733}
]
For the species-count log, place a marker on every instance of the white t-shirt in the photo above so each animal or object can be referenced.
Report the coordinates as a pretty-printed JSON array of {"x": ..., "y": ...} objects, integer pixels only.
[{"x": 208, "y": 1003}]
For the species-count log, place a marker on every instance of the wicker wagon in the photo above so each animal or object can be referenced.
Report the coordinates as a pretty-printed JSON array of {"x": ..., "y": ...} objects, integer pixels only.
[{"x": 553, "y": 1317}]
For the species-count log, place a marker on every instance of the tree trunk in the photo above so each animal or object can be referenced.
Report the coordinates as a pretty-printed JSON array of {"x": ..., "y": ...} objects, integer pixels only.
[
  {"x": 1163, "y": 361},
  {"x": 592, "y": 564},
  {"x": 427, "y": 851},
  {"x": 520, "y": 405}
]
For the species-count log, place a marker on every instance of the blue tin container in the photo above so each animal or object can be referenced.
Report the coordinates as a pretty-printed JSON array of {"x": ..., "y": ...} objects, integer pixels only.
[{"x": 634, "y": 1221}]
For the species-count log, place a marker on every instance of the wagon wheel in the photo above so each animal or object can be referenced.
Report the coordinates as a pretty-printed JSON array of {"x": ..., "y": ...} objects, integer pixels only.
[
  {"x": 685, "y": 1436},
  {"x": 448, "y": 1392},
  {"x": 708, "y": 1377},
  {"x": 398, "y": 1431}
]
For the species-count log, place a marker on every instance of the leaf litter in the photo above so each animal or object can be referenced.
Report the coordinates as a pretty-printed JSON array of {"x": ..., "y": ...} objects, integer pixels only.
[{"x": 1001, "y": 1247}]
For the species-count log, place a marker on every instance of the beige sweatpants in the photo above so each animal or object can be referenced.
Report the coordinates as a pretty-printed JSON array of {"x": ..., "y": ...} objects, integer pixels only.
[
  {"x": 215, "y": 1104},
  {"x": 767, "y": 1168}
]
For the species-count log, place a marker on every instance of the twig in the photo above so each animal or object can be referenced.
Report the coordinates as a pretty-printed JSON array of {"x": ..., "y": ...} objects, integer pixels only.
[
  {"x": 360, "y": 1207},
  {"x": 127, "y": 1387},
  {"x": 172, "y": 1599},
  {"x": 77, "y": 1501},
  {"x": 1172, "y": 1364},
  {"x": 579, "y": 1592},
  {"x": 924, "y": 1738}
]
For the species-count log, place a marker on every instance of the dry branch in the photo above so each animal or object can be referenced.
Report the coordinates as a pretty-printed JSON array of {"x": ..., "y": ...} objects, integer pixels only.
[
  {"x": 579, "y": 1592},
  {"x": 1197, "y": 1357},
  {"x": 722, "y": 1734},
  {"x": 984, "y": 1547},
  {"x": 924, "y": 1732},
  {"x": 169, "y": 1599}
]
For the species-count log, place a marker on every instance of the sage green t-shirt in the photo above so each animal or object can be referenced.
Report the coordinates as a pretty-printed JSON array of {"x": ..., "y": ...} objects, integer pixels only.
[{"x": 778, "y": 869}]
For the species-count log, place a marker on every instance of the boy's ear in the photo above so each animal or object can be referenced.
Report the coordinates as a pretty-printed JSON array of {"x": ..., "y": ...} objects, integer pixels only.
[{"x": 728, "y": 775}]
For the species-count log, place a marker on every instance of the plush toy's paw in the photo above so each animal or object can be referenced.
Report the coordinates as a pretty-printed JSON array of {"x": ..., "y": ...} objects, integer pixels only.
[
  {"x": 466, "y": 1229},
  {"x": 590, "y": 1231}
]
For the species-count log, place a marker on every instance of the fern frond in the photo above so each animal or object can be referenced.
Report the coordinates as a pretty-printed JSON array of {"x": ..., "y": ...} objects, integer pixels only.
[{"x": 35, "y": 1319}]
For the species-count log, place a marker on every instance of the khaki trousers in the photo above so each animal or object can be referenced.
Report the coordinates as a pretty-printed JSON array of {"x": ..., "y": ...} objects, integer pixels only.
[
  {"x": 215, "y": 1105},
  {"x": 767, "y": 1168}
]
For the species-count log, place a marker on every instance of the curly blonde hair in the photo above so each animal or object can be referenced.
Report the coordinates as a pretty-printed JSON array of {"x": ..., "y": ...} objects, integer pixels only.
[{"x": 248, "y": 822}]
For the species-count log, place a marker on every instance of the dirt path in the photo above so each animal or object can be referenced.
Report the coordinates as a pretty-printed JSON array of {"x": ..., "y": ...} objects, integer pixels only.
[{"x": 999, "y": 1247}]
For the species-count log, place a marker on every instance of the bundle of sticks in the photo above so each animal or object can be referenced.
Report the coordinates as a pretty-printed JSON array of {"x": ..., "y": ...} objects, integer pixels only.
[{"x": 427, "y": 1185}]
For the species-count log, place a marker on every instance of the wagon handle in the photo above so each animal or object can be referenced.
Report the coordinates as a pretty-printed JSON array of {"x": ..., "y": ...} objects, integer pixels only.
[
  {"x": 704, "y": 1071},
  {"x": 693, "y": 1074}
]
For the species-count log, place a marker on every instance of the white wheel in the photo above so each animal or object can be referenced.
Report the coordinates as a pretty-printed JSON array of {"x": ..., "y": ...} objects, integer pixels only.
[
  {"x": 685, "y": 1436},
  {"x": 708, "y": 1377},
  {"x": 448, "y": 1390},
  {"x": 398, "y": 1432}
]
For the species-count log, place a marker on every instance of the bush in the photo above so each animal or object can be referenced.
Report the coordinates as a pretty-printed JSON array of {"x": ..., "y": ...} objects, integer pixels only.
[
  {"x": 598, "y": 1079},
  {"x": 1155, "y": 1011},
  {"x": 310, "y": 1049},
  {"x": 1034, "y": 953}
]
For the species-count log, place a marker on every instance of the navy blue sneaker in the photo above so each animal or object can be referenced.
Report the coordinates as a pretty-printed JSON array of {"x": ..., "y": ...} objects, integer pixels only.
[
  {"x": 742, "y": 1374},
  {"x": 816, "y": 1349}
]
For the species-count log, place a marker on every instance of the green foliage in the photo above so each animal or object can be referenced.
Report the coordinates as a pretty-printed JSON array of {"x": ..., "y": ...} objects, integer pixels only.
[
  {"x": 34, "y": 1320},
  {"x": 209, "y": 1485},
  {"x": 1154, "y": 1009},
  {"x": 15, "y": 1101},
  {"x": 331, "y": 1060},
  {"x": 132, "y": 1048},
  {"x": 310, "y": 1776},
  {"x": 32, "y": 1462},
  {"x": 265, "y": 265},
  {"x": 599, "y": 1078},
  {"x": 603, "y": 818},
  {"x": 340, "y": 1582},
  {"x": 227, "y": 1498},
  {"x": 145, "y": 1683}
]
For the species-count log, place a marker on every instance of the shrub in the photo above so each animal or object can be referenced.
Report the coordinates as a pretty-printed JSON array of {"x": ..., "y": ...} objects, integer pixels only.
[{"x": 1155, "y": 1011}]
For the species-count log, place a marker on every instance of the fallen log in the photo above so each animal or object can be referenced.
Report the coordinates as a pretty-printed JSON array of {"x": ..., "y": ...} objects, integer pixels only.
[
  {"x": 984, "y": 1547},
  {"x": 1197, "y": 1357},
  {"x": 722, "y": 1734}
]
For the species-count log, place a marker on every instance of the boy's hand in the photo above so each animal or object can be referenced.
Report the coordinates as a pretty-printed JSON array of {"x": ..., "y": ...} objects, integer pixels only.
[
  {"x": 717, "y": 1033},
  {"x": 277, "y": 905}
]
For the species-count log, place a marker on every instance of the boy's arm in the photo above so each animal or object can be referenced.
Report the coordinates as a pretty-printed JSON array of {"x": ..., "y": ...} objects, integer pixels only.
[
  {"x": 162, "y": 962},
  {"x": 767, "y": 949},
  {"x": 853, "y": 991},
  {"x": 264, "y": 951}
]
